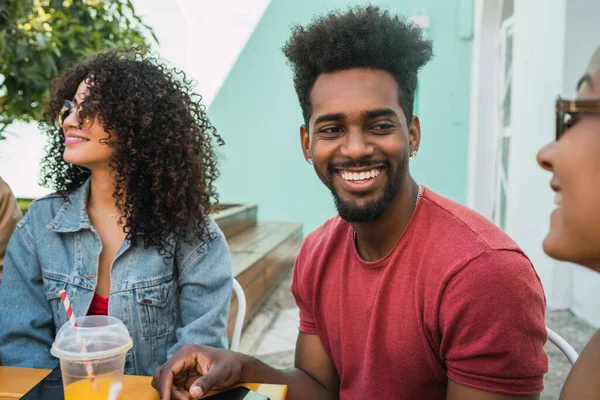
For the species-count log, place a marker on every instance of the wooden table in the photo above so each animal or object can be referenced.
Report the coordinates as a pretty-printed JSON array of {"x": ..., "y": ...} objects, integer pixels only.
[{"x": 15, "y": 382}]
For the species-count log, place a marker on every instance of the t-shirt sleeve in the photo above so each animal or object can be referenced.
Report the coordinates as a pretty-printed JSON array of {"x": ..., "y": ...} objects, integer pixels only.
[
  {"x": 299, "y": 290},
  {"x": 491, "y": 321}
]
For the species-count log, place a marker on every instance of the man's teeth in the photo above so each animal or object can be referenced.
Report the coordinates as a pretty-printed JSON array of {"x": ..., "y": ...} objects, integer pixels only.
[
  {"x": 558, "y": 199},
  {"x": 359, "y": 176}
]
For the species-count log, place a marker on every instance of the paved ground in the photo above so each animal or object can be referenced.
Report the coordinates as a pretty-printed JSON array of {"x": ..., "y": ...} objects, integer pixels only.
[
  {"x": 577, "y": 333},
  {"x": 271, "y": 336}
]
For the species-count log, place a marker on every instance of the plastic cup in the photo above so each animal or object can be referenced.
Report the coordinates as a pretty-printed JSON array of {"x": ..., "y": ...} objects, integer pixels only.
[{"x": 106, "y": 341}]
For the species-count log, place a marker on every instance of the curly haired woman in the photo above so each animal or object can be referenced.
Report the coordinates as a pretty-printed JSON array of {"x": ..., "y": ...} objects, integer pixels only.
[{"x": 127, "y": 232}]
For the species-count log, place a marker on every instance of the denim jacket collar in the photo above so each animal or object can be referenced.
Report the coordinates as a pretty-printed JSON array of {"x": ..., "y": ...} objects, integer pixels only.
[{"x": 73, "y": 215}]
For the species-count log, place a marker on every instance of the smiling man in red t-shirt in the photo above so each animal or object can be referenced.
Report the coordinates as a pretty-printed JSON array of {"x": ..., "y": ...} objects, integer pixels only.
[{"x": 405, "y": 294}]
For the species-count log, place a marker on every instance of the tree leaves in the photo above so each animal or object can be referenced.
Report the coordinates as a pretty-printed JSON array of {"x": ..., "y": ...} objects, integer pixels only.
[{"x": 38, "y": 38}]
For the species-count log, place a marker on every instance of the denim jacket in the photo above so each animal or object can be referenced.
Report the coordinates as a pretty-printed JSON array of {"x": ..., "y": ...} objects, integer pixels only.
[{"x": 164, "y": 303}]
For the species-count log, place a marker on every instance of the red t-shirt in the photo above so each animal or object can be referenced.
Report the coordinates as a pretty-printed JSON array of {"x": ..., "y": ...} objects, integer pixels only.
[
  {"x": 454, "y": 299},
  {"x": 99, "y": 305}
]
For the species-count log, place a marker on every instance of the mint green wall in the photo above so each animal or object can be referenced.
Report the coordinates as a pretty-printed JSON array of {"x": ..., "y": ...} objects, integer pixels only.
[{"x": 257, "y": 113}]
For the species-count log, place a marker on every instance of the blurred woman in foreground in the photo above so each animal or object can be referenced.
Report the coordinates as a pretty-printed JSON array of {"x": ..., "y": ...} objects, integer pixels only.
[{"x": 574, "y": 161}]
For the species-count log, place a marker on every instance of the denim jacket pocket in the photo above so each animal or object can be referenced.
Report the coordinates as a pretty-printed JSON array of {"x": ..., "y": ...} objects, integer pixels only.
[
  {"x": 53, "y": 285},
  {"x": 157, "y": 311}
]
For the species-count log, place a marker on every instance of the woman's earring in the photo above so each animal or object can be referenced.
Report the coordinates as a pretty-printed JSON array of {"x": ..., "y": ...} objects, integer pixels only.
[
  {"x": 310, "y": 161},
  {"x": 413, "y": 154}
]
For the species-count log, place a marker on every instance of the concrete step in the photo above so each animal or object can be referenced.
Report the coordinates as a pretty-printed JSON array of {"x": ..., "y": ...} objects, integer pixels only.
[
  {"x": 234, "y": 218},
  {"x": 261, "y": 255}
]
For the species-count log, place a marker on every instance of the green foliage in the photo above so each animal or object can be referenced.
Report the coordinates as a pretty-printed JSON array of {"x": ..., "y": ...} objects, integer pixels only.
[
  {"x": 38, "y": 38},
  {"x": 24, "y": 205}
]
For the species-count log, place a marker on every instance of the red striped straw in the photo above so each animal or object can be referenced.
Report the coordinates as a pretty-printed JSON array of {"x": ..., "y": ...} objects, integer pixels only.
[{"x": 78, "y": 339}]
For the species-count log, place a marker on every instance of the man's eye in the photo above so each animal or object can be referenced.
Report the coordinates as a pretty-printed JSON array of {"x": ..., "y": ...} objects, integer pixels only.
[
  {"x": 330, "y": 130},
  {"x": 383, "y": 128}
]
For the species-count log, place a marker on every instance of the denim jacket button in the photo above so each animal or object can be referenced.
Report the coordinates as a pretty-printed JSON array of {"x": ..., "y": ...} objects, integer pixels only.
[{"x": 146, "y": 301}]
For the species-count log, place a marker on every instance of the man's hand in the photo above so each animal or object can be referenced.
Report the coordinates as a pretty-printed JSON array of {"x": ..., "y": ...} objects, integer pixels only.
[{"x": 194, "y": 370}]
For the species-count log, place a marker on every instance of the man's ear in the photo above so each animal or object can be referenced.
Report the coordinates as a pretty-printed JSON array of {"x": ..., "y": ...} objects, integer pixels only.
[
  {"x": 414, "y": 134},
  {"x": 305, "y": 143}
]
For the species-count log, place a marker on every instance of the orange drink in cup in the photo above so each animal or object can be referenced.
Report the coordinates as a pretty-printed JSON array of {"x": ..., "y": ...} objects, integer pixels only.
[
  {"x": 85, "y": 389},
  {"x": 106, "y": 341}
]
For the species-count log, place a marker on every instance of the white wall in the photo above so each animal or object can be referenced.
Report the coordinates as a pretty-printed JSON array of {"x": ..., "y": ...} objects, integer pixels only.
[
  {"x": 581, "y": 41},
  {"x": 20, "y": 156},
  {"x": 204, "y": 38}
]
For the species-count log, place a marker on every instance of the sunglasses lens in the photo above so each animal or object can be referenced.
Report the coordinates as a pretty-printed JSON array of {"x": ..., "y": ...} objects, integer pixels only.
[
  {"x": 562, "y": 123},
  {"x": 64, "y": 113},
  {"x": 85, "y": 115}
]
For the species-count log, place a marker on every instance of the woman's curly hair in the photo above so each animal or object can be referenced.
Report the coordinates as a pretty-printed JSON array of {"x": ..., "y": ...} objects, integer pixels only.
[
  {"x": 164, "y": 163},
  {"x": 360, "y": 37}
]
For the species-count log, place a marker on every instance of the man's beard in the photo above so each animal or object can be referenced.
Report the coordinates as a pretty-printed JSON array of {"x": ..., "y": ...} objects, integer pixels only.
[{"x": 372, "y": 209}]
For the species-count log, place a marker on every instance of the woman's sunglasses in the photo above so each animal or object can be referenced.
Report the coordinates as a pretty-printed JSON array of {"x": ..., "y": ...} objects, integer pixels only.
[
  {"x": 568, "y": 112},
  {"x": 84, "y": 111}
]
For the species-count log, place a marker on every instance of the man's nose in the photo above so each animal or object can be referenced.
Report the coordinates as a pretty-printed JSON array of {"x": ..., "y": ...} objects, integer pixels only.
[{"x": 356, "y": 145}]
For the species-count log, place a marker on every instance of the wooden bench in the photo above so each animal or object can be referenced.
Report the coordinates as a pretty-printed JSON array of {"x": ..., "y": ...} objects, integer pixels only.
[{"x": 262, "y": 252}]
